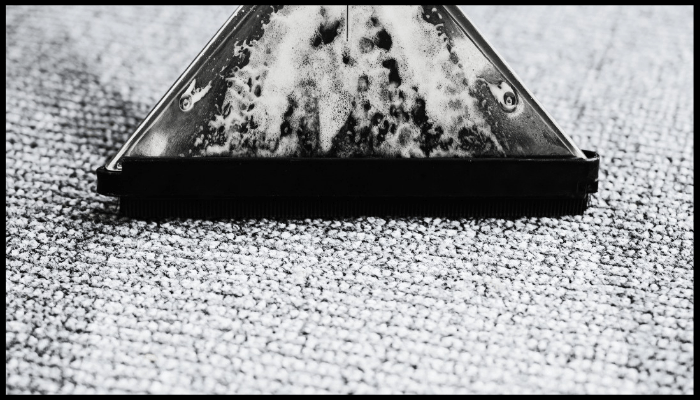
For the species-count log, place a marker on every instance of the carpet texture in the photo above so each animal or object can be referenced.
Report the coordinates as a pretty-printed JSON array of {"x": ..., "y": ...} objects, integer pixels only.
[{"x": 601, "y": 303}]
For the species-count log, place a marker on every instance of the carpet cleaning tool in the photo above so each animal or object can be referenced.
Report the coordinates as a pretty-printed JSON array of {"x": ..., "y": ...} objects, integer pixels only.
[{"x": 333, "y": 111}]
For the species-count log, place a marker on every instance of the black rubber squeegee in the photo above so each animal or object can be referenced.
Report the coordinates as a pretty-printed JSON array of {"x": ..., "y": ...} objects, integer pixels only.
[{"x": 334, "y": 111}]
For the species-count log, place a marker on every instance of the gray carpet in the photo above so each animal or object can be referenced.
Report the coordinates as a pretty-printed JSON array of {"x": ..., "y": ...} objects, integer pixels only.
[{"x": 596, "y": 304}]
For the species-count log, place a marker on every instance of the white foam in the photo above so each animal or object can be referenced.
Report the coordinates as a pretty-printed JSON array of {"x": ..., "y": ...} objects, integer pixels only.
[{"x": 285, "y": 65}]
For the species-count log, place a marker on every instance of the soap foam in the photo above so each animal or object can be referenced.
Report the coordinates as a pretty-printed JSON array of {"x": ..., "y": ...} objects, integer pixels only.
[{"x": 304, "y": 83}]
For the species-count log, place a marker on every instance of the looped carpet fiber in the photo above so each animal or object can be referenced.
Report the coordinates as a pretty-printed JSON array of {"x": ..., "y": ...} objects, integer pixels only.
[{"x": 601, "y": 303}]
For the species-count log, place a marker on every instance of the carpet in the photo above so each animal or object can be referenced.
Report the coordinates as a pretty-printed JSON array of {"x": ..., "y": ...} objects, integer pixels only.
[{"x": 600, "y": 303}]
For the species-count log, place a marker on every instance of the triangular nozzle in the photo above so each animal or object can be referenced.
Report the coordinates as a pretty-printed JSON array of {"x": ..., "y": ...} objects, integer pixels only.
[{"x": 348, "y": 81}]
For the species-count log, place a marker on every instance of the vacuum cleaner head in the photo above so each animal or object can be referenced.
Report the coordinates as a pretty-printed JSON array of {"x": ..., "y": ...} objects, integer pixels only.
[{"x": 302, "y": 111}]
